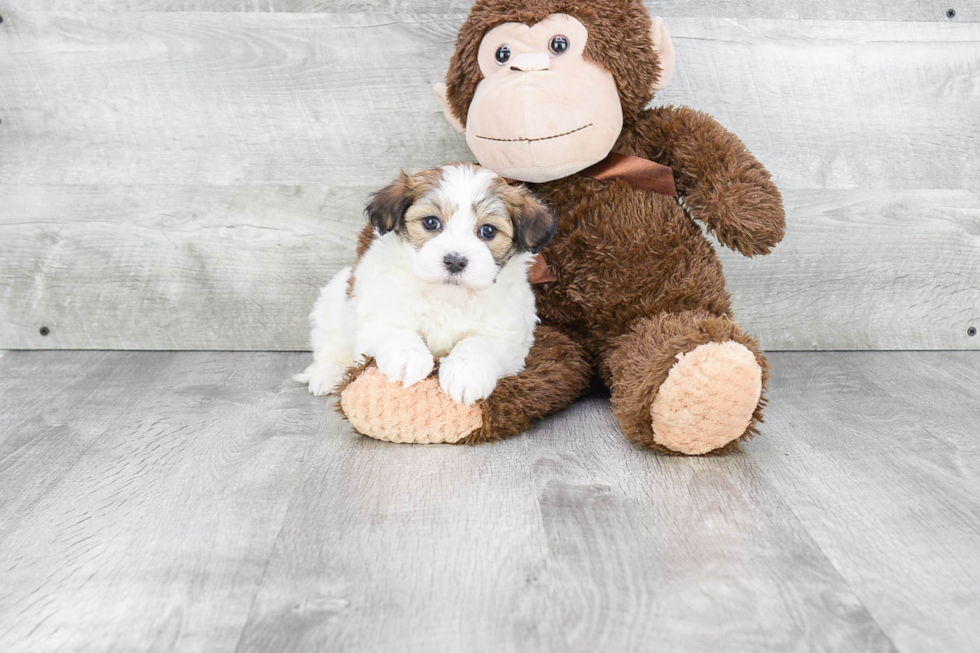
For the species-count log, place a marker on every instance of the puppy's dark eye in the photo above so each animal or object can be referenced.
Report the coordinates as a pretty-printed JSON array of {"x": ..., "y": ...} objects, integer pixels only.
[
  {"x": 488, "y": 231},
  {"x": 431, "y": 223},
  {"x": 503, "y": 54},
  {"x": 559, "y": 44}
]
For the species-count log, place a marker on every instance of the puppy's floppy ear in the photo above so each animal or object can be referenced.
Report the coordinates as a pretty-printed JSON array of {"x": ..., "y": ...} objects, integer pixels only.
[
  {"x": 535, "y": 224},
  {"x": 387, "y": 207}
]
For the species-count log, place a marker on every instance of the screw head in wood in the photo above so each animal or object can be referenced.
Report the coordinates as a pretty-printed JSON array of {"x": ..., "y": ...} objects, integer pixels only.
[
  {"x": 972, "y": 331},
  {"x": 950, "y": 13},
  {"x": 45, "y": 331}
]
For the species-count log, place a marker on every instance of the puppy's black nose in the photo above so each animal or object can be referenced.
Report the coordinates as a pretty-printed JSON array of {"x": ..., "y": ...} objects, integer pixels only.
[{"x": 455, "y": 263}]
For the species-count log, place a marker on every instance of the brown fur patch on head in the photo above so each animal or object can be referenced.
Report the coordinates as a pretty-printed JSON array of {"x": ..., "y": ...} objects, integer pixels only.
[
  {"x": 502, "y": 244},
  {"x": 522, "y": 222},
  {"x": 534, "y": 223},
  {"x": 388, "y": 207},
  {"x": 619, "y": 41},
  {"x": 494, "y": 210},
  {"x": 426, "y": 202}
]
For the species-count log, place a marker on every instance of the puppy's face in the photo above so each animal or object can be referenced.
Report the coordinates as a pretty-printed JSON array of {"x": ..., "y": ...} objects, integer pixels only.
[{"x": 462, "y": 223}]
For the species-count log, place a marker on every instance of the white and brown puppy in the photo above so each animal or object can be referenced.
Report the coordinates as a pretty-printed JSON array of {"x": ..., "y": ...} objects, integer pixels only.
[{"x": 444, "y": 276}]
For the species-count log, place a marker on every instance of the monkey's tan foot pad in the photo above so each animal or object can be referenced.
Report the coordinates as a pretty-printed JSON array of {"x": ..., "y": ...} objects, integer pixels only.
[
  {"x": 707, "y": 399},
  {"x": 421, "y": 414}
]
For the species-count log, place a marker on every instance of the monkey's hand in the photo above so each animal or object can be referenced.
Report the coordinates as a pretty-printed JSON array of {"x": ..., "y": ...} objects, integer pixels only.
[{"x": 721, "y": 183}]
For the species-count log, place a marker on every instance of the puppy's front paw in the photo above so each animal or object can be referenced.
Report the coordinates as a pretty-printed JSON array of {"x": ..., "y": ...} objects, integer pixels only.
[
  {"x": 321, "y": 377},
  {"x": 408, "y": 364},
  {"x": 466, "y": 380}
]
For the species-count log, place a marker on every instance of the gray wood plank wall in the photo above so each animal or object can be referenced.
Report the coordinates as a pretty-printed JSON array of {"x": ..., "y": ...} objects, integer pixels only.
[{"x": 185, "y": 175}]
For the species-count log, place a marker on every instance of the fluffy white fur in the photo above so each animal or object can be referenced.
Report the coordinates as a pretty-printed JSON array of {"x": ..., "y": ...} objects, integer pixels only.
[{"x": 406, "y": 309}]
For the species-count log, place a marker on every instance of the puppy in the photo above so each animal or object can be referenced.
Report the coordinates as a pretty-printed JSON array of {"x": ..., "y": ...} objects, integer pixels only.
[{"x": 441, "y": 273}]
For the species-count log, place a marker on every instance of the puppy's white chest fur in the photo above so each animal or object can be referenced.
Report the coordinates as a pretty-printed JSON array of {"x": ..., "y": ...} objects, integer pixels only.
[
  {"x": 451, "y": 320},
  {"x": 442, "y": 314}
]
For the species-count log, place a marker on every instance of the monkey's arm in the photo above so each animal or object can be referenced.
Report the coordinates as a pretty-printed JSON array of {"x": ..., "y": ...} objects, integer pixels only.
[{"x": 721, "y": 182}]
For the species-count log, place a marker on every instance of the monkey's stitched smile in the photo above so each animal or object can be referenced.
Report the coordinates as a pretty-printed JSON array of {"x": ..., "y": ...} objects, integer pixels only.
[{"x": 532, "y": 140}]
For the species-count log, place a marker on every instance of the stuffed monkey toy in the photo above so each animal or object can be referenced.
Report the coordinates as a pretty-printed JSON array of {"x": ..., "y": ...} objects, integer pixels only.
[{"x": 553, "y": 93}]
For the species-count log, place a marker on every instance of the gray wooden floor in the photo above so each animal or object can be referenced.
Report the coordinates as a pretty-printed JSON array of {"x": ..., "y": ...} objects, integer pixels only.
[{"x": 205, "y": 502}]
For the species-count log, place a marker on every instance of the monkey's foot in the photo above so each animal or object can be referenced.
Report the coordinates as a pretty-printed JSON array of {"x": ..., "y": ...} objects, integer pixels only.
[
  {"x": 421, "y": 413},
  {"x": 708, "y": 398}
]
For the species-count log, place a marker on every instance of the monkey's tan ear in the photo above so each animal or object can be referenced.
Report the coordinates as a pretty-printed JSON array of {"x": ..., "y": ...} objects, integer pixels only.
[
  {"x": 665, "y": 52},
  {"x": 440, "y": 90}
]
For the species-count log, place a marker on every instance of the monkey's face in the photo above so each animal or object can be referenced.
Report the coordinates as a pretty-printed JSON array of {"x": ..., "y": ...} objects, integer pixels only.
[{"x": 542, "y": 111}]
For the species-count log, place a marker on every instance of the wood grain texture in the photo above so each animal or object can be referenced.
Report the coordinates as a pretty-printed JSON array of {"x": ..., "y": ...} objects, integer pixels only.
[
  {"x": 141, "y": 495},
  {"x": 884, "y": 450},
  {"x": 568, "y": 539},
  {"x": 219, "y": 98},
  {"x": 202, "y": 501},
  {"x": 899, "y": 10},
  {"x": 865, "y": 269},
  {"x": 185, "y": 180},
  {"x": 198, "y": 267},
  {"x": 160, "y": 267}
]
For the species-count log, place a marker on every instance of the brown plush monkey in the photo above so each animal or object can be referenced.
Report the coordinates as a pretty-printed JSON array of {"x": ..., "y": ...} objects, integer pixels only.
[{"x": 546, "y": 89}]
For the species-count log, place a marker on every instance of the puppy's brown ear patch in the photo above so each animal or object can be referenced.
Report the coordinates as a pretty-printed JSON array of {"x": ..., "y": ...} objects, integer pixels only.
[
  {"x": 534, "y": 223},
  {"x": 387, "y": 207}
]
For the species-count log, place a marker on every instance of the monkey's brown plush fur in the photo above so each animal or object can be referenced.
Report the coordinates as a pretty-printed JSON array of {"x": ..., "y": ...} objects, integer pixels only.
[{"x": 638, "y": 286}]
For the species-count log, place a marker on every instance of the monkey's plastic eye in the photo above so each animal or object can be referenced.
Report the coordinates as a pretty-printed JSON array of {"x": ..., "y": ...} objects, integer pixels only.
[
  {"x": 488, "y": 231},
  {"x": 503, "y": 54},
  {"x": 559, "y": 44},
  {"x": 431, "y": 223}
]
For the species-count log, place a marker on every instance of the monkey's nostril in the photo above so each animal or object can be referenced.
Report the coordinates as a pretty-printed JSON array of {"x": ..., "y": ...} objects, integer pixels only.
[{"x": 455, "y": 263}]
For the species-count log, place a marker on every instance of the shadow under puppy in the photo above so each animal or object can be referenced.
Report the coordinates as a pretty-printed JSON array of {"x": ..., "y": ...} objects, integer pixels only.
[{"x": 441, "y": 272}]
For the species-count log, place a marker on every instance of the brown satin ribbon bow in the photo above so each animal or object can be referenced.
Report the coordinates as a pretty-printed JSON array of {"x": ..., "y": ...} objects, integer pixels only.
[{"x": 639, "y": 173}]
